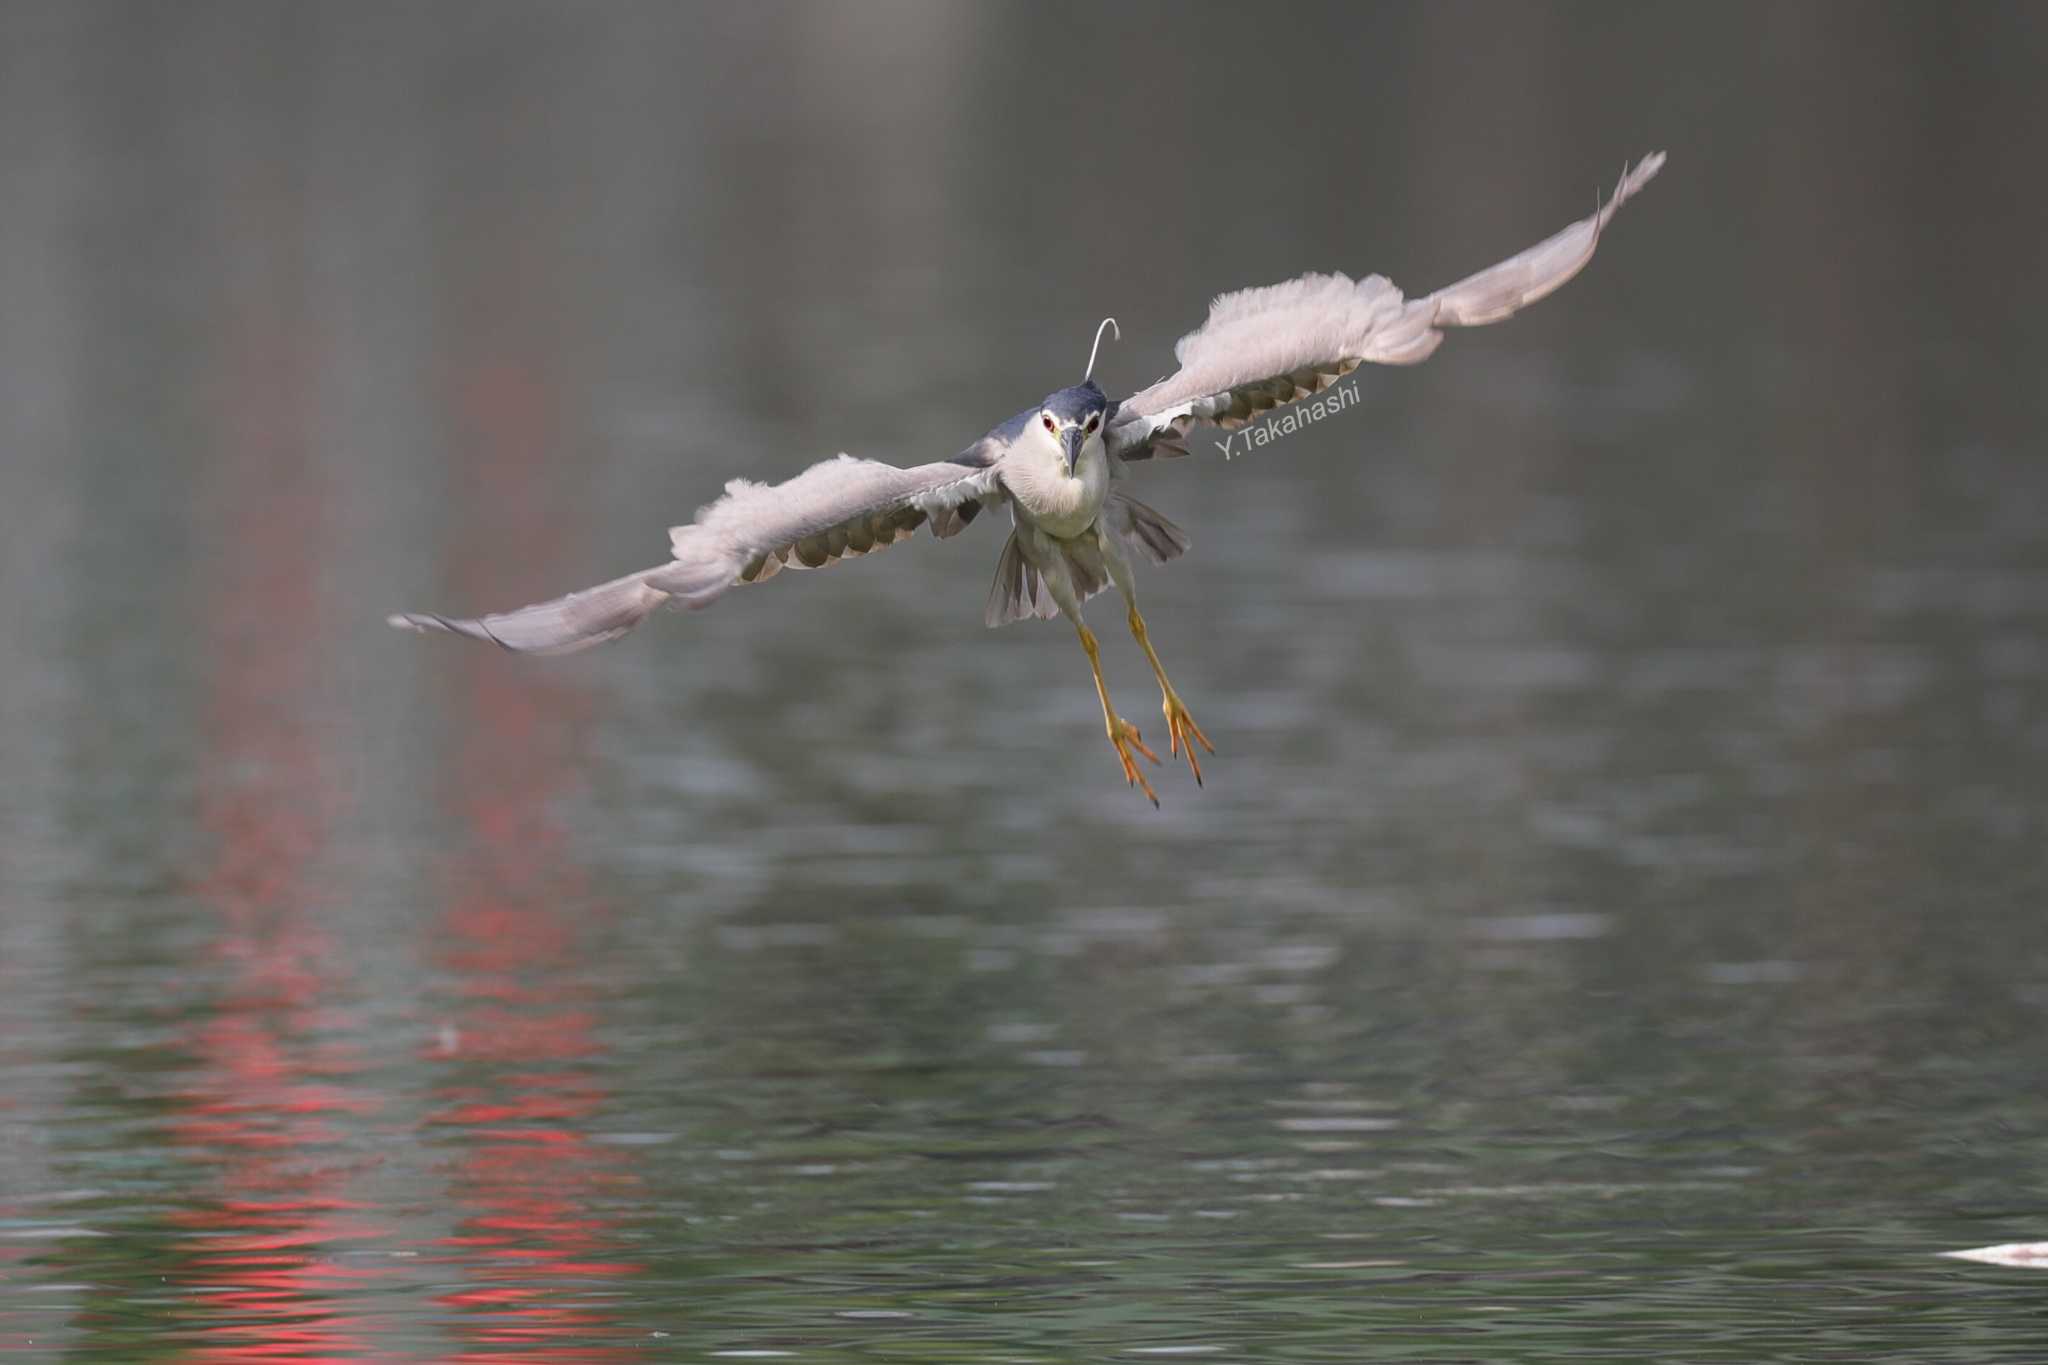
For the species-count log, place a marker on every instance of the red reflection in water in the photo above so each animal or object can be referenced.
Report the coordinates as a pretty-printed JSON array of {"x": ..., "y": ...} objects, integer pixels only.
[
  {"x": 264, "y": 1109},
  {"x": 533, "y": 1186}
]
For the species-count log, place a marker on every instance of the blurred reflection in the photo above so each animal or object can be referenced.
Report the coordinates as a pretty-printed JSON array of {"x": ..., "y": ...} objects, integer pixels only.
[
  {"x": 266, "y": 1107},
  {"x": 520, "y": 1058}
]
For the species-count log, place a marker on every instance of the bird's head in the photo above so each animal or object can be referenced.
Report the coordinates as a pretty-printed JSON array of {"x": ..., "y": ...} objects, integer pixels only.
[{"x": 1073, "y": 417}]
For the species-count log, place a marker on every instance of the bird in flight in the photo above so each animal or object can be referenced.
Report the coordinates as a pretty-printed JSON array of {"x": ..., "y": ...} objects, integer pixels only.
[{"x": 1060, "y": 468}]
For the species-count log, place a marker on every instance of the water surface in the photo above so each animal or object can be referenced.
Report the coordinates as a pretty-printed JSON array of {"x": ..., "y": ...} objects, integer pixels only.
[{"x": 1612, "y": 927}]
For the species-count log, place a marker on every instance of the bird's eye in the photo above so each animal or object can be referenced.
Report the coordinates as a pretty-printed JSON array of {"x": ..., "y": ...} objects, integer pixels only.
[
  {"x": 1093, "y": 418},
  {"x": 1046, "y": 418}
]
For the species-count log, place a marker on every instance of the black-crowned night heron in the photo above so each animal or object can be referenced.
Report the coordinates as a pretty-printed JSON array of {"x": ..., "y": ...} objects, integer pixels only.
[{"x": 1058, "y": 466}]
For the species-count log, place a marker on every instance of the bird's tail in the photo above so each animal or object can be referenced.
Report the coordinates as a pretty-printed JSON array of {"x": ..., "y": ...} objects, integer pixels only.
[
  {"x": 1019, "y": 590},
  {"x": 699, "y": 573},
  {"x": 1142, "y": 528}
]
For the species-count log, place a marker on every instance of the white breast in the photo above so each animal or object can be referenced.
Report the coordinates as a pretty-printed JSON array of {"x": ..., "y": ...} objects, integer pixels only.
[{"x": 1062, "y": 505}]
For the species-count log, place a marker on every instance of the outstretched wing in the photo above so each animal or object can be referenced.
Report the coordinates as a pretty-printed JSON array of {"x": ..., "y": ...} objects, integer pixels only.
[
  {"x": 834, "y": 510},
  {"x": 1264, "y": 347}
]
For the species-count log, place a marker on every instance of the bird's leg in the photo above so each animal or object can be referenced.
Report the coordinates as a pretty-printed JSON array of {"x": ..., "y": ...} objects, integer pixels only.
[
  {"x": 1122, "y": 733},
  {"x": 1181, "y": 731}
]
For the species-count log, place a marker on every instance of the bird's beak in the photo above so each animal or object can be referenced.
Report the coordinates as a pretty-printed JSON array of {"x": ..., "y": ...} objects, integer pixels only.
[{"x": 1073, "y": 438}]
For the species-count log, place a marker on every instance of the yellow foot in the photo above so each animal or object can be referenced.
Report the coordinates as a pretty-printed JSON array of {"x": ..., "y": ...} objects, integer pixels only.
[
  {"x": 1182, "y": 732},
  {"x": 1125, "y": 737}
]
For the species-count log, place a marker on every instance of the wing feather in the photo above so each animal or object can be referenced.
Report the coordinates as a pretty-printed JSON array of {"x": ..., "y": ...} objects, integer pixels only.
[
  {"x": 1263, "y": 347},
  {"x": 837, "y": 509}
]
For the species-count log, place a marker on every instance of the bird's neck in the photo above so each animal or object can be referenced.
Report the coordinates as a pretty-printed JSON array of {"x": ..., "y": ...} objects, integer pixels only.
[{"x": 1061, "y": 503}]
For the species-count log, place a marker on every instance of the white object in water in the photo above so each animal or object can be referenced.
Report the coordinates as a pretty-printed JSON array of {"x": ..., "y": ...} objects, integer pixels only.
[{"x": 2029, "y": 1255}]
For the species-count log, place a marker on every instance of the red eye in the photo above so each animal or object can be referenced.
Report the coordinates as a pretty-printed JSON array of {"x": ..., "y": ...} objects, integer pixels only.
[
  {"x": 1046, "y": 418},
  {"x": 1092, "y": 421}
]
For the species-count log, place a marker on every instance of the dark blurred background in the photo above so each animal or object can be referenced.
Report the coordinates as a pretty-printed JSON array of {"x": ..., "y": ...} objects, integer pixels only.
[{"x": 1613, "y": 923}]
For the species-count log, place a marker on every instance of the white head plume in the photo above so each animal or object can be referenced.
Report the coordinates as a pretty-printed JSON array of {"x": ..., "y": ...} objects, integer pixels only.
[{"x": 1106, "y": 322}]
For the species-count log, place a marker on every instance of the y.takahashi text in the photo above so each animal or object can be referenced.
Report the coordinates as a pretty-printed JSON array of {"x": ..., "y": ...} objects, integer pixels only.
[{"x": 1303, "y": 414}]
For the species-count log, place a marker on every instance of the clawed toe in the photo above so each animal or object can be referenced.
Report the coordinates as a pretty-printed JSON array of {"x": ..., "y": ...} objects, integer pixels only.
[
  {"x": 1183, "y": 734},
  {"x": 1125, "y": 737}
]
